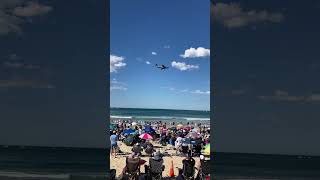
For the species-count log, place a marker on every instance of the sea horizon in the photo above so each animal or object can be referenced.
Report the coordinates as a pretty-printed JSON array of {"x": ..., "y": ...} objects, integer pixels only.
[
  {"x": 149, "y": 114},
  {"x": 159, "y": 109}
]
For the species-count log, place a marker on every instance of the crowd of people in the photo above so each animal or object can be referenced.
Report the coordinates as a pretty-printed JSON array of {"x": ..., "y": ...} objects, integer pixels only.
[{"x": 187, "y": 140}]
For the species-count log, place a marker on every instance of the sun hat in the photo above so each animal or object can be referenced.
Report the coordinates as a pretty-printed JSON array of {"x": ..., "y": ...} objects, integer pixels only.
[{"x": 202, "y": 157}]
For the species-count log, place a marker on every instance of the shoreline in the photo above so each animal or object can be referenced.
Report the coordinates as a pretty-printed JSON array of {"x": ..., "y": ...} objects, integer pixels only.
[{"x": 116, "y": 120}]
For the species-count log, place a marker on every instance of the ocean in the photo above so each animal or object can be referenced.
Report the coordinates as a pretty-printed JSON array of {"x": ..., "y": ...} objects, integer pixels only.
[
  {"x": 261, "y": 166},
  {"x": 159, "y": 114},
  {"x": 31, "y": 162}
]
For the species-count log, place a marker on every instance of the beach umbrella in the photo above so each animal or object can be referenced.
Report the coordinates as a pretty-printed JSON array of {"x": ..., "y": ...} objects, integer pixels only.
[
  {"x": 145, "y": 136},
  {"x": 128, "y": 131},
  {"x": 149, "y": 129},
  {"x": 207, "y": 149}
]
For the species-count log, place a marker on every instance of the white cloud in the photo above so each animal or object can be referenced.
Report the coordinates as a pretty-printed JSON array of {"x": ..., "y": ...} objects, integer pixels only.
[
  {"x": 314, "y": 98},
  {"x": 182, "y": 66},
  {"x": 116, "y": 85},
  {"x": 194, "y": 53},
  {"x": 284, "y": 96},
  {"x": 25, "y": 83},
  {"x": 233, "y": 16},
  {"x": 9, "y": 23},
  {"x": 168, "y": 88},
  {"x": 14, "y": 57},
  {"x": 154, "y": 53},
  {"x": 187, "y": 91},
  {"x": 280, "y": 95},
  {"x": 121, "y": 88},
  {"x": 200, "y": 92},
  {"x": 184, "y": 90},
  {"x": 147, "y": 62},
  {"x": 13, "y": 14},
  {"x": 116, "y": 63},
  {"x": 31, "y": 9},
  {"x": 13, "y": 65},
  {"x": 20, "y": 65},
  {"x": 237, "y": 91}
]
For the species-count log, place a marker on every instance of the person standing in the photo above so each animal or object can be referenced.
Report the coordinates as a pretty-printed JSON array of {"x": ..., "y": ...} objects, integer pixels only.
[{"x": 114, "y": 144}]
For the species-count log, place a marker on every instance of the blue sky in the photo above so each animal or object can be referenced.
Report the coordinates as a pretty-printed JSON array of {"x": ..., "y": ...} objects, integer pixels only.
[{"x": 145, "y": 33}]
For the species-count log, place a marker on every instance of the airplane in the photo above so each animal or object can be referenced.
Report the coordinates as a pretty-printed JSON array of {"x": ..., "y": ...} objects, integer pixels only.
[{"x": 162, "y": 67}]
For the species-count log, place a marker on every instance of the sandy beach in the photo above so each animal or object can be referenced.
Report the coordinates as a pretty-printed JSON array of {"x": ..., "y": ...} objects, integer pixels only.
[{"x": 119, "y": 162}]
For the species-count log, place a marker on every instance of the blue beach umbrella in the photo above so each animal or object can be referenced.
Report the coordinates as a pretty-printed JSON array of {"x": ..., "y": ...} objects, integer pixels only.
[
  {"x": 128, "y": 131},
  {"x": 149, "y": 129}
]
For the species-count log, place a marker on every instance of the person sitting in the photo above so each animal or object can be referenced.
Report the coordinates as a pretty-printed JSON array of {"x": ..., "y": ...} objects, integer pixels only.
[
  {"x": 137, "y": 149},
  {"x": 155, "y": 167},
  {"x": 180, "y": 175},
  {"x": 172, "y": 140},
  {"x": 143, "y": 143},
  {"x": 112, "y": 174},
  {"x": 162, "y": 139},
  {"x": 188, "y": 166},
  {"x": 198, "y": 146},
  {"x": 203, "y": 168},
  {"x": 149, "y": 148},
  {"x": 122, "y": 137},
  {"x": 132, "y": 168},
  {"x": 185, "y": 146}
]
